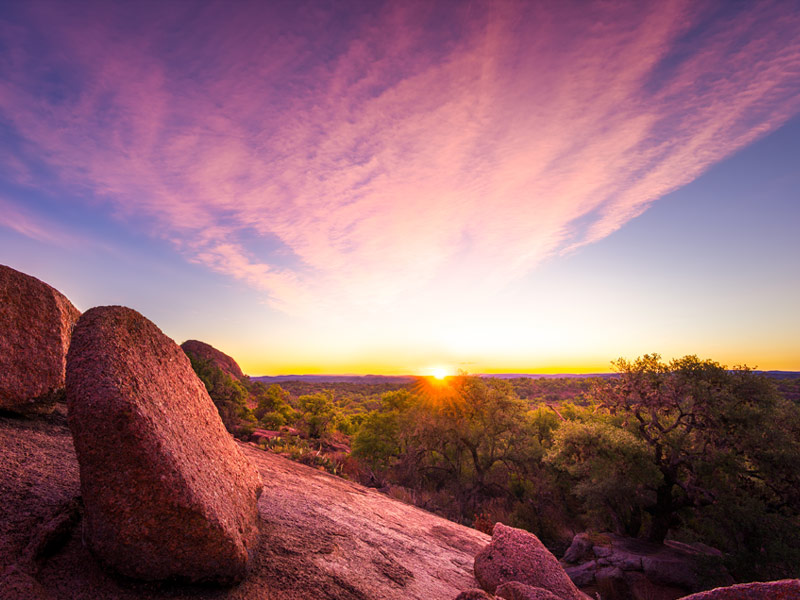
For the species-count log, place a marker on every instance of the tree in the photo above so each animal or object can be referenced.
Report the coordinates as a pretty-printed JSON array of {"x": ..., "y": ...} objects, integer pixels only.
[
  {"x": 611, "y": 470},
  {"x": 316, "y": 412},
  {"x": 272, "y": 408},
  {"x": 705, "y": 431}
]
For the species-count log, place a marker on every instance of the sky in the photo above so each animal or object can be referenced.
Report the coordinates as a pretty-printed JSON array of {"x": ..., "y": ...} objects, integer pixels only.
[{"x": 393, "y": 187}]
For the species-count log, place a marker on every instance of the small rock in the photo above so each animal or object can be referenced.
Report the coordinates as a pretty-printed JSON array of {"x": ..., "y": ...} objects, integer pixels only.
[
  {"x": 679, "y": 572},
  {"x": 784, "y": 589},
  {"x": 611, "y": 583},
  {"x": 167, "y": 493},
  {"x": 517, "y": 555},
  {"x": 514, "y": 590},
  {"x": 36, "y": 323},
  {"x": 602, "y": 551},
  {"x": 579, "y": 550},
  {"x": 582, "y": 575},
  {"x": 625, "y": 560}
]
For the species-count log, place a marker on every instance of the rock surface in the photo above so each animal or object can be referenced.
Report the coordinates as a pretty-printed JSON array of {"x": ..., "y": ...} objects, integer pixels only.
[
  {"x": 517, "y": 555},
  {"x": 166, "y": 491},
  {"x": 16, "y": 584},
  {"x": 515, "y": 590},
  {"x": 322, "y": 537},
  {"x": 643, "y": 567},
  {"x": 785, "y": 589},
  {"x": 36, "y": 323},
  {"x": 197, "y": 349},
  {"x": 474, "y": 594}
]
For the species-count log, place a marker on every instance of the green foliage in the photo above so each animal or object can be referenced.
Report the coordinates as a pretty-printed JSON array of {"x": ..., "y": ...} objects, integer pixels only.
[
  {"x": 726, "y": 446},
  {"x": 273, "y": 409},
  {"x": 544, "y": 421},
  {"x": 349, "y": 424},
  {"x": 228, "y": 394},
  {"x": 686, "y": 447},
  {"x": 377, "y": 441},
  {"x": 317, "y": 412},
  {"x": 611, "y": 471}
]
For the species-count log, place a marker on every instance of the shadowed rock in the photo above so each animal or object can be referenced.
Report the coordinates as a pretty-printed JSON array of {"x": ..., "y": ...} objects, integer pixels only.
[
  {"x": 16, "y": 584},
  {"x": 36, "y": 322},
  {"x": 785, "y": 589},
  {"x": 617, "y": 563},
  {"x": 166, "y": 491},
  {"x": 514, "y": 590},
  {"x": 474, "y": 594},
  {"x": 516, "y": 555},
  {"x": 196, "y": 349}
]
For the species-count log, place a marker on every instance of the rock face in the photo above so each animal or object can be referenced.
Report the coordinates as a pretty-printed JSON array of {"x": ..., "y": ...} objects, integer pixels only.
[
  {"x": 36, "y": 323},
  {"x": 474, "y": 594},
  {"x": 167, "y": 493},
  {"x": 197, "y": 349},
  {"x": 516, "y": 555},
  {"x": 785, "y": 589},
  {"x": 323, "y": 538}
]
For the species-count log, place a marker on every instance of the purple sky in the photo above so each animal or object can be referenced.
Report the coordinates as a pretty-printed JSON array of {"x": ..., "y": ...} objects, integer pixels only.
[{"x": 388, "y": 187}]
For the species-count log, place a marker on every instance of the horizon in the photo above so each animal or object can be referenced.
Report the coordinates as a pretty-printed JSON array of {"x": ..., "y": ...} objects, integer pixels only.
[{"x": 374, "y": 188}]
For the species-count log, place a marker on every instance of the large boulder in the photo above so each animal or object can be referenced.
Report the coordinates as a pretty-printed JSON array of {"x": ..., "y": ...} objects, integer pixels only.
[
  {"x": 36, "y": 323},
  {"x": 167, "y": 492},
  {"x": 517, "y": 555},
  {"x": 196, "y": 349},
  {"x": 785, "y": 589}
]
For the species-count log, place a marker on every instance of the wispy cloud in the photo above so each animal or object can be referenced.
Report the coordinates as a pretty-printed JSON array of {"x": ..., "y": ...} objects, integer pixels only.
[{"x": 395, "y": 151}]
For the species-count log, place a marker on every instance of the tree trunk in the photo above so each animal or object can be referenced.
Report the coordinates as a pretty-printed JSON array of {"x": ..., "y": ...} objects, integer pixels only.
[{"x": 661, "y": 514}]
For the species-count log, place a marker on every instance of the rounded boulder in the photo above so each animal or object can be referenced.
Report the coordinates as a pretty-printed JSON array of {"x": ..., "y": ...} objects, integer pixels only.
[
  {"x": 196, "y": 349},
  {"x": 517, "y": 555},
  {"x": 167, "y": 492},
  {"x": 36, "y": 323}
]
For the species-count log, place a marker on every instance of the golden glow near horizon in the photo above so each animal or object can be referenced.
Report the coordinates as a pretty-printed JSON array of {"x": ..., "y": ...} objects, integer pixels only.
[{"x": 439, "y": 373}]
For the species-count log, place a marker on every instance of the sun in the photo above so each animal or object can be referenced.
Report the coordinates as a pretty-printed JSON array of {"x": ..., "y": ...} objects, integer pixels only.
[{"x": 439, "y": 373}]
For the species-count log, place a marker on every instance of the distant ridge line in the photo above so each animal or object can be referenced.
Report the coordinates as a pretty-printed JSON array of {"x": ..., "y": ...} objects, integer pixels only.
[
  {"x": 411, "y": 378},
  {"x": 403, "y": 379}
]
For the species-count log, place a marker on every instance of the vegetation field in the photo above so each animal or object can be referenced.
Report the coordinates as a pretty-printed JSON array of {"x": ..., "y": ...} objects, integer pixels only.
[{"x": 688, "y": 450}]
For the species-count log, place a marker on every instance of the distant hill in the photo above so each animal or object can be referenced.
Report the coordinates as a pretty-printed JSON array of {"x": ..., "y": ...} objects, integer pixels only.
[
  {"x": 545, "y": 375},
  {"x": 781, "y": 374},
  {"x": 365, "y": 379},
  {"x": 406, "y": 379}
]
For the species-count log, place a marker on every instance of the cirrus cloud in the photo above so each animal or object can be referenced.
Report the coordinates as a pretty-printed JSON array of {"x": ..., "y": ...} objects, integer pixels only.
[{"x": 351, "y": 159}]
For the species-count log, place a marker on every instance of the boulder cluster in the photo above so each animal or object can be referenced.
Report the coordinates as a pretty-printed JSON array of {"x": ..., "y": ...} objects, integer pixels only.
[
  {"x": 166, "y": 492},
  {"x": 517, "y": 566},
  {"x": 630, "y": 565}
]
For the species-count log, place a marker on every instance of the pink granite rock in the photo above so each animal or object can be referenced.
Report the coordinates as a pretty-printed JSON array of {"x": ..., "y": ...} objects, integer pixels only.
[
  {"x": 36, "y": 323},
  {"x": 167, "y": 492},
  {"x": 517, "y": 555}
]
